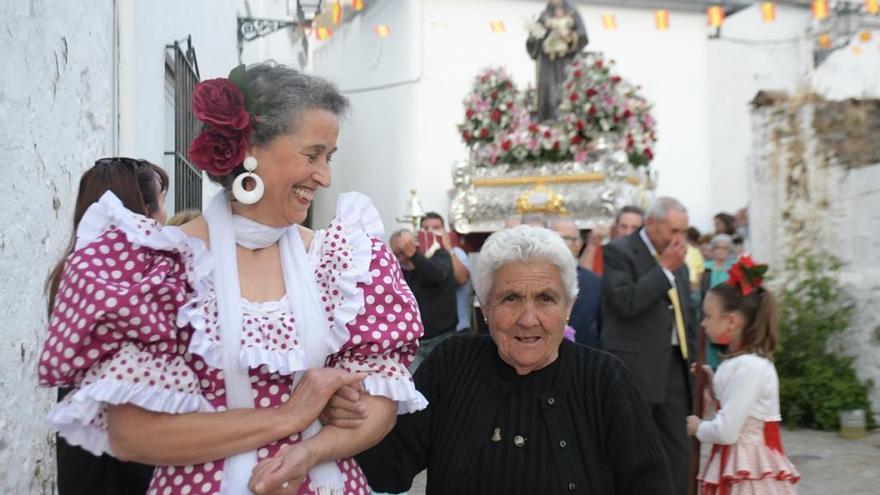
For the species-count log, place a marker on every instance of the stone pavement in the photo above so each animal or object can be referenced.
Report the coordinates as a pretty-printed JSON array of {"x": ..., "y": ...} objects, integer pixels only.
[{"x": 829, "y": 464}]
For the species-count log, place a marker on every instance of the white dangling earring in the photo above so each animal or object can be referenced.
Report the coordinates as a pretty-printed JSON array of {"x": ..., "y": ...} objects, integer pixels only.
[{"x": 241, "y": 194}]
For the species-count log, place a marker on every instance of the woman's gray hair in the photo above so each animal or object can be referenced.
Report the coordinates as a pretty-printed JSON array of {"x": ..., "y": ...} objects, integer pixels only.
[
  {"x": 524, "y": 244},
  {"x": 283, "y": 94},
  {"x": 661, "y": 206},
  {"x": 720, "y": 239}
]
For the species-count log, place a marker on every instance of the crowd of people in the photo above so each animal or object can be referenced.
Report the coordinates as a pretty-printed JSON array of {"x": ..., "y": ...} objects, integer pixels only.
[{"x": 238, "y": 352}]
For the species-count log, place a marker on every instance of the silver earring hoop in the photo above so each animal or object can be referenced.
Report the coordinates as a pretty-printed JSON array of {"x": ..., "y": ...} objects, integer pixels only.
[{"x": 241, "y": 194}]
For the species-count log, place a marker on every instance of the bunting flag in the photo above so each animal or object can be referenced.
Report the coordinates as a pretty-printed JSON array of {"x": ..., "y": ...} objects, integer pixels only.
[
  {"x": 857, "y": 49},
  {"x": 768, "y": 11},
  {"x": 383, "y": 30},
  {"x": 865, "y": 36},
  {"x": 820, "y": 9},
  {"x": 872, "y": 6},
  {"x": 323, "y": 33},
  {"x": 357, "y": 5},
  {"x": 337, "y": 13},
  {"x": 715, "y": 14},
  {"x": 825, "y": 41},
  {"x": 497, "y": 26},
  {"x": 609, "y": 23},
  {"x": 661, "y": 19}
]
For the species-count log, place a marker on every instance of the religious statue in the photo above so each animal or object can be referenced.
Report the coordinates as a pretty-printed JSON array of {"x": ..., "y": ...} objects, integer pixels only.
[{"x": 554, "y": 39}]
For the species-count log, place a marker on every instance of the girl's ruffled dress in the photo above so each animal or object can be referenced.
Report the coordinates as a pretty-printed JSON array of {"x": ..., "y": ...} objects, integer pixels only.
[{"x": 747, "y": 457}]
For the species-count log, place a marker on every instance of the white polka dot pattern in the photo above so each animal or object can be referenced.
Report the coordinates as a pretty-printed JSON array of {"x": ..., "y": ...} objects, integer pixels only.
[{"x": 113, "y": 336}]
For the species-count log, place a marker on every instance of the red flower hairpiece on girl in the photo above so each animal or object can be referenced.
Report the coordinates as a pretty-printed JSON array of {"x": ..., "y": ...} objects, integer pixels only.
[
  {"x": 745, "y": 275},
  {"x": 222, "y": 104}
]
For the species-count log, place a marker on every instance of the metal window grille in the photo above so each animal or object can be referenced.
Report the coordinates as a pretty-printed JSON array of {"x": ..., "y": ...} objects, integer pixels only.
[{"x": 182, "y": 66}]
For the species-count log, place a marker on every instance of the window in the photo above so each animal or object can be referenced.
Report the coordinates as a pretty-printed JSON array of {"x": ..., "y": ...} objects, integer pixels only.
[{"x": 181, "y": 126}]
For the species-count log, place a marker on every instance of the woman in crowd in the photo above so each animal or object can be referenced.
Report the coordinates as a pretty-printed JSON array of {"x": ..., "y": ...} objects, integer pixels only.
[
  {"x": 141, "y": 187},
  {"x": 721, "y": 248},
  {"x": 523, "y": 410},
  {"x": 207, "y": 348}
]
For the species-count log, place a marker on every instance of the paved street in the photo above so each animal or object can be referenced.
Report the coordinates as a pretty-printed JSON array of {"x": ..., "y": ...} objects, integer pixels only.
[{"x": 829, "y": 464}]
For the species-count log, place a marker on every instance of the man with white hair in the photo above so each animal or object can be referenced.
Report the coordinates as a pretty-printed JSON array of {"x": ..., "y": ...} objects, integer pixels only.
[{"x": 648, "y": 321}]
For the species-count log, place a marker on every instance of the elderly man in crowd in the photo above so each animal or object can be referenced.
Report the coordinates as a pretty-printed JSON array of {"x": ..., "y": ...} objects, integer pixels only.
[
  {"x": 648, "y": 321},
  {"x": 524, "y": 411},
  {"x": 586, "y": 317}
]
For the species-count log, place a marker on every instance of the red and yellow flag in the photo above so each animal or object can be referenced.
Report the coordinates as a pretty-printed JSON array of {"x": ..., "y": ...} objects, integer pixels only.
[
  {"x": 820, "y": 9},
  {"x": 661, "y": 19},
  {"x": 768, "y": 11},
  {"x": 865, "y": 36},
  {"x": 715, "y": 15},
  {"x": 323, "y": 33},
  {"x": 609, "y": 23},
  {"x": 872, "y": 7},
  {"x": 825, "y": 41},
  {"x": 382, "y": 30},
  {"x": 497, "y": 26},
  {"x": 357, "y": 5},
  {"x": 337, "y": 13}
]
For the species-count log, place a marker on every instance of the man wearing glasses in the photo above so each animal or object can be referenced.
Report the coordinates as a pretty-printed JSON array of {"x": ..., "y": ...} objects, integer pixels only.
[{"x": 586, "y": 316}]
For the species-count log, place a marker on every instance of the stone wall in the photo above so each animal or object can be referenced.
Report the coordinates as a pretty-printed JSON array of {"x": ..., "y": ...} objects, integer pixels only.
[
  {"x": 815, "y": 185},
  {"x": 57, "y": 99}
]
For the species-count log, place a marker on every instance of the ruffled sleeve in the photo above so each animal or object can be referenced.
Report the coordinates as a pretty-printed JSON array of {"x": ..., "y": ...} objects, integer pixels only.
[
  {"x": 112, "y": 334},
  {"x": 371, "y": 304}
]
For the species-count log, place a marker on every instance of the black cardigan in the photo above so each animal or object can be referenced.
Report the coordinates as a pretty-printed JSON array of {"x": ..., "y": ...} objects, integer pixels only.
[{"x": 579, "y": 425}]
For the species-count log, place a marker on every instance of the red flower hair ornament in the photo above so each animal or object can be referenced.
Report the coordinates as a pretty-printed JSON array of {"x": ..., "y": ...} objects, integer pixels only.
[
  {"x": 746, "y": 275},
  {"x": 222, "y": 104}
]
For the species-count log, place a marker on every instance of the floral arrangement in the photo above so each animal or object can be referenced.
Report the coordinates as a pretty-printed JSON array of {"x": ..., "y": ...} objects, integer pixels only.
[
  {"x": 222, "y": 105},
  {"x": 489, "y": 107},
  {"x": 746, "y": 275},
  {"x": 595, "y": 101},
  {"x": 498, "y": 127}
]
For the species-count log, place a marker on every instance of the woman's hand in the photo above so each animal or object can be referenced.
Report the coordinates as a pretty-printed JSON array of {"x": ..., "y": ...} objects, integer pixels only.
[
  {"x": 315, "y": 390},
  {"x": 345, "y": 409},
  {"x": 284, "y": 473},
  {"x": 693, "y": 422}
]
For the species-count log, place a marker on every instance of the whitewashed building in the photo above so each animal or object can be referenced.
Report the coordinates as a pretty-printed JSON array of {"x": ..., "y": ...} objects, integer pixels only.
[{"x": 94, "y": 78}]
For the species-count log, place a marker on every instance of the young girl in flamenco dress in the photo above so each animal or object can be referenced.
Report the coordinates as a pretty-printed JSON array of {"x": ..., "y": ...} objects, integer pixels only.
[{"x": 747, "y": 457}]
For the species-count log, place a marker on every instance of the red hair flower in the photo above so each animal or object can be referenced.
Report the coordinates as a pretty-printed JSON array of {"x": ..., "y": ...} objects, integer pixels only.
[
  {"x": 222, "y": 104},
  {"x": 219, "y": 102},
  {"x": 218, "y": 150},
  {"x": 746, "y": 275}
]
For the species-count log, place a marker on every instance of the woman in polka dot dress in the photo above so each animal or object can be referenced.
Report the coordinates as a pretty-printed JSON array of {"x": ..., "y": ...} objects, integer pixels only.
[{"x": 208, "y": 348}]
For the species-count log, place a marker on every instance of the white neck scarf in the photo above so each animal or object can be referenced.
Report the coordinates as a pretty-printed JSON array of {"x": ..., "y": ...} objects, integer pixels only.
[{"x": 226, "y": 231}]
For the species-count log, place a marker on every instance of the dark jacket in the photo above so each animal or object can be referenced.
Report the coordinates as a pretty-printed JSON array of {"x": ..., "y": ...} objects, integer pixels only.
[
  {"x": 433, "y": 285},
  {"x": 586, "y": 316},
  {"x": 579, "y": 425},
  {"x": 637, "y": 314}
]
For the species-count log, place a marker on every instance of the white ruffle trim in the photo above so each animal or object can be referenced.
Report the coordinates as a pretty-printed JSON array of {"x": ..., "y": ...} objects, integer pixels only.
[
  {"x": 109, "y": 210},
  {"x": 360, "y": 223},
  {"x": 72, "y": 416},
  {"x": 399, "y": 390},
  {"x": 282, "y": 362}
]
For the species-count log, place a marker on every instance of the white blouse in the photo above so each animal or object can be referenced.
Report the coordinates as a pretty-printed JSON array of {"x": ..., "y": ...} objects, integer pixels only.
[{"x": 745, "y": 385}]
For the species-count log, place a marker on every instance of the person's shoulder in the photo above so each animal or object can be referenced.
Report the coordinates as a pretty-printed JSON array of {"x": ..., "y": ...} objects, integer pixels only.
[
  {"x": 587, "y": 277},
  {"x": 197, "y": 228}
]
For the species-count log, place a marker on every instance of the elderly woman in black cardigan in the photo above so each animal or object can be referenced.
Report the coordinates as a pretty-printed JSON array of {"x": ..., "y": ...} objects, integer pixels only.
[{"x": 524, "y": 411}]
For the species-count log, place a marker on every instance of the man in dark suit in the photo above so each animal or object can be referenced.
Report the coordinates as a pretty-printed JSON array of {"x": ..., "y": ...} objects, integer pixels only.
[
  {"x": 586, "y": 315},
  {"x": 648, "y": 321}
]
